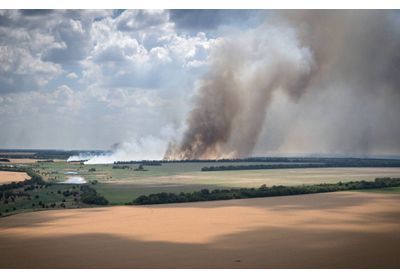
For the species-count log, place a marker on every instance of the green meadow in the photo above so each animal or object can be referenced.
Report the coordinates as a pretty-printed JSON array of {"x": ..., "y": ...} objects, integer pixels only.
[{"x": 120, "y": 186}]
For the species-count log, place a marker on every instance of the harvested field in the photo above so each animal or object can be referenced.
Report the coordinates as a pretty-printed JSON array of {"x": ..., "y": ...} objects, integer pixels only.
[
  {"x": 255, "y": 178},
  {"x": 11, "y": 176},
  {"x": 25, "y": 161},
  {"x": 346, "y": 230},
  {"x": 16, "y": 153},
  {"x": 20, "y": 161}
]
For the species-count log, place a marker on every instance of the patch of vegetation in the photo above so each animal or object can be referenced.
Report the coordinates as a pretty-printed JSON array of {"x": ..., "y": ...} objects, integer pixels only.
[
  {"x": 35, "y": 180},
  {"x": 121, "y": 167},
  {"x": 90, "y": 196},
  {"x": 389, "y": 190},
  {"x": 264, "y": 191},
  {"x": 120, "y": 194},
  {"x": 31, "y": 194},
  {"x": 144, "y": 163},
  {"x": 37, "y": 194},
  {"x": 140, "y": 168}
]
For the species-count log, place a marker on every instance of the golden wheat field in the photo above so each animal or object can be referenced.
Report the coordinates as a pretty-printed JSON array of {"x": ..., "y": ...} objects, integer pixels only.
[
  {"x": 11, "y": 176},
  {"x": 346, "y": 229}
]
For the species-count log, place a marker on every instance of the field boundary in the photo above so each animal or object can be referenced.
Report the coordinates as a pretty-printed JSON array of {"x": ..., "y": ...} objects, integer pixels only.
[{"x": 263, "y": 191}]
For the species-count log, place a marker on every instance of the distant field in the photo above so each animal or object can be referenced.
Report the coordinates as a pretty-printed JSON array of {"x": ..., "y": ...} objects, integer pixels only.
[
  {"x": 334, "y": 230},
  {"x": 10, "y": 176},
  {"x": 16, "y": 153},
  {"x": 190, "y": 181},
  {"x": 106, "y": 174},
  {"x": 123, "y": 185},
  {"x": 20, "y": 161},
  {"x": 123, "y": 193}
]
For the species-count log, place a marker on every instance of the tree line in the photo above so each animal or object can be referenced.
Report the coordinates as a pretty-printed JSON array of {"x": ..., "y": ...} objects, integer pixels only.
[
  {"x": 261, "y": 167},
  {"x": 325, "y": 160},
  {"x": 143, "y": 163},
  {"x": 90, "y": 196},
  {"x": 339, "y": 164},
  {"x": 263, "y": 191}
]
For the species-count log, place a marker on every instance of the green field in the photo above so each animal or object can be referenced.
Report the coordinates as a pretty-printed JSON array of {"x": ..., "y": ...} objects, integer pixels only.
[
  {"x": 123, "y": 185},
  {"x": 50, "y": 195}
]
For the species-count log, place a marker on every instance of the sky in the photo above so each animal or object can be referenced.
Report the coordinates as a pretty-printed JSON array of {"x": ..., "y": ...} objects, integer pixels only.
[
  {"x": 90, "y": 79},
  {"x": 129, "y": 79}
]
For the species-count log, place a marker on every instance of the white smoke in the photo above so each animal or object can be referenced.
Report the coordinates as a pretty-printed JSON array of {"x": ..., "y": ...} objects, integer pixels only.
[
  {"x": 147, "y": 148},
  {"x": 81, "y": 157},
  {"x": 143, "y": 148}
]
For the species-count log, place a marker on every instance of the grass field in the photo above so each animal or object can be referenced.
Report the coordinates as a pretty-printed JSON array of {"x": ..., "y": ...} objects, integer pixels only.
[
  {"x": 120, "y": 186},
  {"x": 46, "y": 195},
  {"x": 334, "y": 230}
]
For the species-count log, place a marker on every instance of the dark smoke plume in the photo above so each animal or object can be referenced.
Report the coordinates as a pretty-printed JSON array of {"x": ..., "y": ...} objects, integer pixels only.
[{"x": 293, "y": 53}]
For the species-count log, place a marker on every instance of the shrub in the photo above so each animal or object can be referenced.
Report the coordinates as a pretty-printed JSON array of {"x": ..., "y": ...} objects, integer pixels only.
[{"x": 90, "y": 196}]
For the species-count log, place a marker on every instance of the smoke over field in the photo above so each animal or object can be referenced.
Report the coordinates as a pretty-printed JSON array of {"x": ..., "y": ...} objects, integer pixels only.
[{"x": 306, "y": 57}]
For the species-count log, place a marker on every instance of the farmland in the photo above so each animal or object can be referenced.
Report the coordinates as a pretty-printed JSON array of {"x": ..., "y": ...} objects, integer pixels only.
[
  {"x": 330, "y": 230},
  {"x": 320, "y": 230},
  {"x": 10, "y": 176},
  {"x": 122, "y": 185}
]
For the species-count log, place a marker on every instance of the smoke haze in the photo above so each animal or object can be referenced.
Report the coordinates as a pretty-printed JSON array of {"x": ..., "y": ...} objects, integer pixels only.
[
  {"x": 304, "y": 81},
  {"x": 184, "y": 84}
]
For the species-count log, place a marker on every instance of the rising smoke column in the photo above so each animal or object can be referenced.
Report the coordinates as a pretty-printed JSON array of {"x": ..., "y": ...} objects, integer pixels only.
[
  {"x": 233, "y": 97},
  {"x": 211, "y": 121},
  {"x": 347, "y": 63}
]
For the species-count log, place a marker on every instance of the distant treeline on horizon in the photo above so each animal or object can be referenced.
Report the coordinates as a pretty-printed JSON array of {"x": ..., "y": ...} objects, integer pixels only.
[
  {"x": 310, "y": 161},
  {"x": 43, "y": 154}
]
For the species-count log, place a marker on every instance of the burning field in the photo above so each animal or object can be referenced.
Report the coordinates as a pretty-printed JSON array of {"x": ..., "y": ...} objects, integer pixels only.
[
  {"x": 301, "y": 56},
  {"x": 145, "y": 107},
  {"x": 348, "y": 230}
]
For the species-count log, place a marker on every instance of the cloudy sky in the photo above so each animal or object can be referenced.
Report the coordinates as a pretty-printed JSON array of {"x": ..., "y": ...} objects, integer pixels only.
[
  {"x": 83, "y": 79},
  {"x": 90, "y": 79}
]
